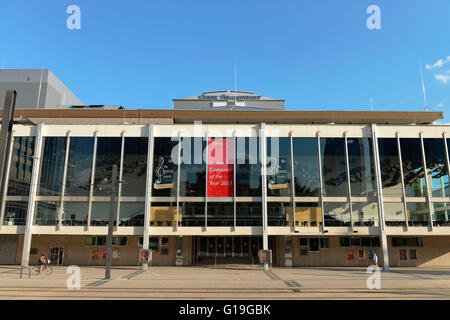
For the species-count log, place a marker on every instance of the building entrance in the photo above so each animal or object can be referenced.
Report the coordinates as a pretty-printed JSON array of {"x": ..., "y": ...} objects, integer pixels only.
[{"x": 227, "y": 250}]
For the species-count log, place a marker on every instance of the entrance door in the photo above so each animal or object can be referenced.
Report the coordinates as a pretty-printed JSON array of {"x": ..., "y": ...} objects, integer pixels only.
[
  {"x": 57, "y": 255},
  {"x": 228, "y": 246}
]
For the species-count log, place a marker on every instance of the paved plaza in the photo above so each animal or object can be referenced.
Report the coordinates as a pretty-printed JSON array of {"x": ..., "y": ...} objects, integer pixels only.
[{"x": 226, "y": 282}]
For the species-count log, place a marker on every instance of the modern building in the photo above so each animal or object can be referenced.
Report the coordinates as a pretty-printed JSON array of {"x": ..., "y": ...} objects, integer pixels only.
[
  {"x": 318, "y": 188},
  {"x": 36, "y": 89}
]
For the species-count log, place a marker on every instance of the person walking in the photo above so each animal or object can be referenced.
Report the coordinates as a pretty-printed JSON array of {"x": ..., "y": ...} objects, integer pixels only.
[{"x": 375, "y": 258}]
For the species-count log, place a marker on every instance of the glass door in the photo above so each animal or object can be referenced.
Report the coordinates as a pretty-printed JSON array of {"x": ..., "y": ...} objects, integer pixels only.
[{"x": 57, "y": 256}]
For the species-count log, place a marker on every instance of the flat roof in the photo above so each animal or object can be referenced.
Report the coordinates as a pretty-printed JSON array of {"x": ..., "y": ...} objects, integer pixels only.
[{"x": 244, "y": 117}]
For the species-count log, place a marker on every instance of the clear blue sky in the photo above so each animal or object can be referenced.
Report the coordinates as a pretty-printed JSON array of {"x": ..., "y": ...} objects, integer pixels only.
[{"x": 318, "y": 55}]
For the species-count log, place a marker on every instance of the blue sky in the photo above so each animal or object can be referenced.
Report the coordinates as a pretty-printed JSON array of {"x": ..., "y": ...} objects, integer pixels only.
[{"x": 318, "y": 55}]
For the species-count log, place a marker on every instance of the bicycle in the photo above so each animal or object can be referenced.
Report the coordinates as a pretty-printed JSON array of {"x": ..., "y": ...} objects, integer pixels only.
[{"x": 46, "y": 270}]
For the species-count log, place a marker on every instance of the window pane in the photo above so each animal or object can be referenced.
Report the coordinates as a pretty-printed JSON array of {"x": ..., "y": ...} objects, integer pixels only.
[
  {"x": 413, "y": 167},
  {"x": 134, "y": 167},
  {"x": 417, "y": 213},
  {"x": 79, "y": 166},
  {"x": 276, "y": 213},
  {"x": 436, "y": 166},
  {"x": 21, "y": 166},
  {"x": 100, "y": 214},
  {"x": 220, "y": 214},
  {"x": 132, "y": 213},
  {"x": 361, "y": 166},
  {"x": 75, "y": 213},
  {"x": 390, "y": 167},
  {"x": 345, "y": 242},
  {"x": 15, "y": 213},
  {"x": 365, "y": 242},
  {"x": 333, "y": 167},
  {"x": 313, "y": 244},
  {"x": 394, "y": 214},
  {"x": 193, "y": 168},
  {"x": 307, "y": 214},
  {"x": 441, "y": 214},
  {"x": 248, "y": 167},
  {"x": 306, "y": 167},
  {"x": 193, "y": 213},
  {"x": 365, "y": 213},
  {"x": 52, "y": 166},
  {"x": 279, "y": 167},
  {"x": 337, "y": 214},
  {"x": 108, "y": 154},
  {"x": 164, "y": 168},
  {"x": 47, "y": 213}
]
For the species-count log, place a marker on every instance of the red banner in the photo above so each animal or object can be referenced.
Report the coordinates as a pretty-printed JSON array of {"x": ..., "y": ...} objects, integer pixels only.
[{"x": 220, "y": 168}]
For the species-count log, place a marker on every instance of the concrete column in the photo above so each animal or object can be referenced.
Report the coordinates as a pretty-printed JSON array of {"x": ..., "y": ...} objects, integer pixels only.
[
  {"x": 206, "y": 182},
  {"x": 6, "y": 179},
  {"x": 292, "y": 178},
  {"x": 148, "y": 191},
  {"x": 319, "y": 159},
  {"x": 178, "y": 179},
  {"x": 427, "y": 185},
  {"x": 263, "y": 147},
  {"x": 91, "y": 189},
  {"x": 119, "y": 193},
  {"x": 63, "y": 184},
  {"x": 288, "y": 257},
  {"x": 382, "y": 225},
  {"x": 448, "y": 168},
  {"x": 349, "y": 187},
  {"x": 32, "y": 195},
  {"x": 405, "y": 207}
]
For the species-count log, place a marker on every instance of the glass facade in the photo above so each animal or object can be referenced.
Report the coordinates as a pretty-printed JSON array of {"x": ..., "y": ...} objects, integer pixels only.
[
  {"x": 306, "y": 167},
  {"x": 47, "y": 213},
  {"x": 414, "y": 175},
  {"x": 164, "y": 168},
  {"x": 279, "y": 167},
  {"x": 79, "y": 166},
  {"x": 132, "y": 214},
  {"x": 52, "y": 166},
  {"x": 108, "y": 154},
  {"x": 337, "y": 214},
  {"x": 21, "y": 166},
  {"x": 333, "y": 167},
  {"x": 390, "y": 167},
  {"x": 248, "y": 167},
  {"x": 75, "y": 213},
  {"x": 134, "y": 170},
  {"x": 192, "y": 167},
  {"x": 361, "y": 167},
  {"x": 436, "y": 163},
  {"x": 15, "y": 213}
]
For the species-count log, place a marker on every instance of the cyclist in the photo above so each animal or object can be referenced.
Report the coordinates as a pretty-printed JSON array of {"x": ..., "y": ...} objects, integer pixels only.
[{"x": 41, "y": 263}]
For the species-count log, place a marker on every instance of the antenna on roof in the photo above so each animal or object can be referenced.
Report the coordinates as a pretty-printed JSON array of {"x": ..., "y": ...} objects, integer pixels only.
[
  {"x": 423, "y": 87},
  {"x": 235, "y": 80}
]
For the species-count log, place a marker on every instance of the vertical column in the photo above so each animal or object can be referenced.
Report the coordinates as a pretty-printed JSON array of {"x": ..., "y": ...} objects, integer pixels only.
[
  {"x": 383, "y": 236},
  {"x": 405, "y": 207},
  {"x": 263, "y": 156},
  {"x": 148, "y": 190},
  {"x": 119, "y": 193},
  {"x": 4, "y": 188},
  {"x": 349, "y": 188},
  {"x": 206, "y": 182},
  {"x": 63, "y": 184},
  {"x": 448, "y": 169},
  {"x": 32, "y": 195},
  {"x": 292, "y": 179},
  {"x": 427, "y": 184},
  {"x": 321, "y": 181},
  {"x": 234, "y": 179},
  {"x": 91, "y": 190},
  {"x": 178, "y": 178}
]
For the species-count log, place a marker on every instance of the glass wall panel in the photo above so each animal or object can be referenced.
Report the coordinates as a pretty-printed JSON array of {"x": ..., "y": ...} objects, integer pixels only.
[
  {"x": 413, "y": 172},
  {"x": 436, "y": 166},
  {"x": 248, "y": 214},
  {"x": 306, "y": 167},
  {"x": 79, "y": 167},
  {"x": 307, "y": 214},
  {"x": 134, "y": 167},
  {"x": 365, "y": 214},
  {"x": 164, "y": 168},
  {"x": 46, "y": 213},
  {"x": 361, "y": 166},
  {"x": 279, "y": 167},
  {"x": 248, "y": 167},
  {"x": 193, "y": 168},
  {"x": 75, "y": 213},
  {"x": 394, "y": 214},
  {"x": 15, "y": 213},
  {"x": 220, "y": 214},
  {"x": 52, "y": 166},
  {"x": 417, "y": 213},
  {"x": 108, "y": 154},
  {"x": 100, "y": 214},
  {"x": 441, "y": 214},
  {"x": 277, "y": 213},
  {"x": 390, "y": 167},
  {"x": 336, "y": 214},
  {"x": 193, "y": 214},
  {"x": 21, "y": 166},
  {"x": 132, "y": 214},
  {"x": 333, "y": 167}
]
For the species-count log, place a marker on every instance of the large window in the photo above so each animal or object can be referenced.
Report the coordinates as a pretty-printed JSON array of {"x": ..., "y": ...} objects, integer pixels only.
[
  {"x": 365, "y": 214},
  {"x": 15, "y": 213},
  {"x": 100, "y": 214},
  {"x": 276, "y": 213},
  {"x": 21, "y": 166},
  {"x": 47, "y": 213},
  {"x": 418, "y": 213},
  {"x": 220, "y": 214},
  {"x": 79, "y": 166},
  {"x": 337, "y": 214},
  {"x": 279, "y": 167},
  {"x": 132, "y": 214},
  {"x": 248, "y": 214},
  {"x": 192, "y": 168},
  {"x": 441, "y": 214},
  {"x": 52, "y": 166},
  {"x": 390, "y": 167},
  {"x": 164, "y": 168},
  {"x": 413, "y": 172},
  {"x": 193, "y": 214},
  {"x": 306, "y": 167},
  {"x": 436, "y": 166},
  {"x": 394, "y": 213},
  {"x": 248, "y": 167},
  {"x": 108, "y": 154},
  {"x": 334, "y": 167},
  {"x": 361, "y": 166},
  {"x": 134, "y": 170},
  {"x": 75, "y": 213}
]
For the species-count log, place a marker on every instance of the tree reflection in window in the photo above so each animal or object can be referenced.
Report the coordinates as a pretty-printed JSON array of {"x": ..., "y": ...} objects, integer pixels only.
[
  {"x": 414, "y": 175},
  {"x": 436, "y": 166},
  {"x": 390, "y": 167}
]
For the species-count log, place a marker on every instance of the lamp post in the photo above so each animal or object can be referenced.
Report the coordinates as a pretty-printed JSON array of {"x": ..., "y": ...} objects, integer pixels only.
[{"x": 112, "y": 209}]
